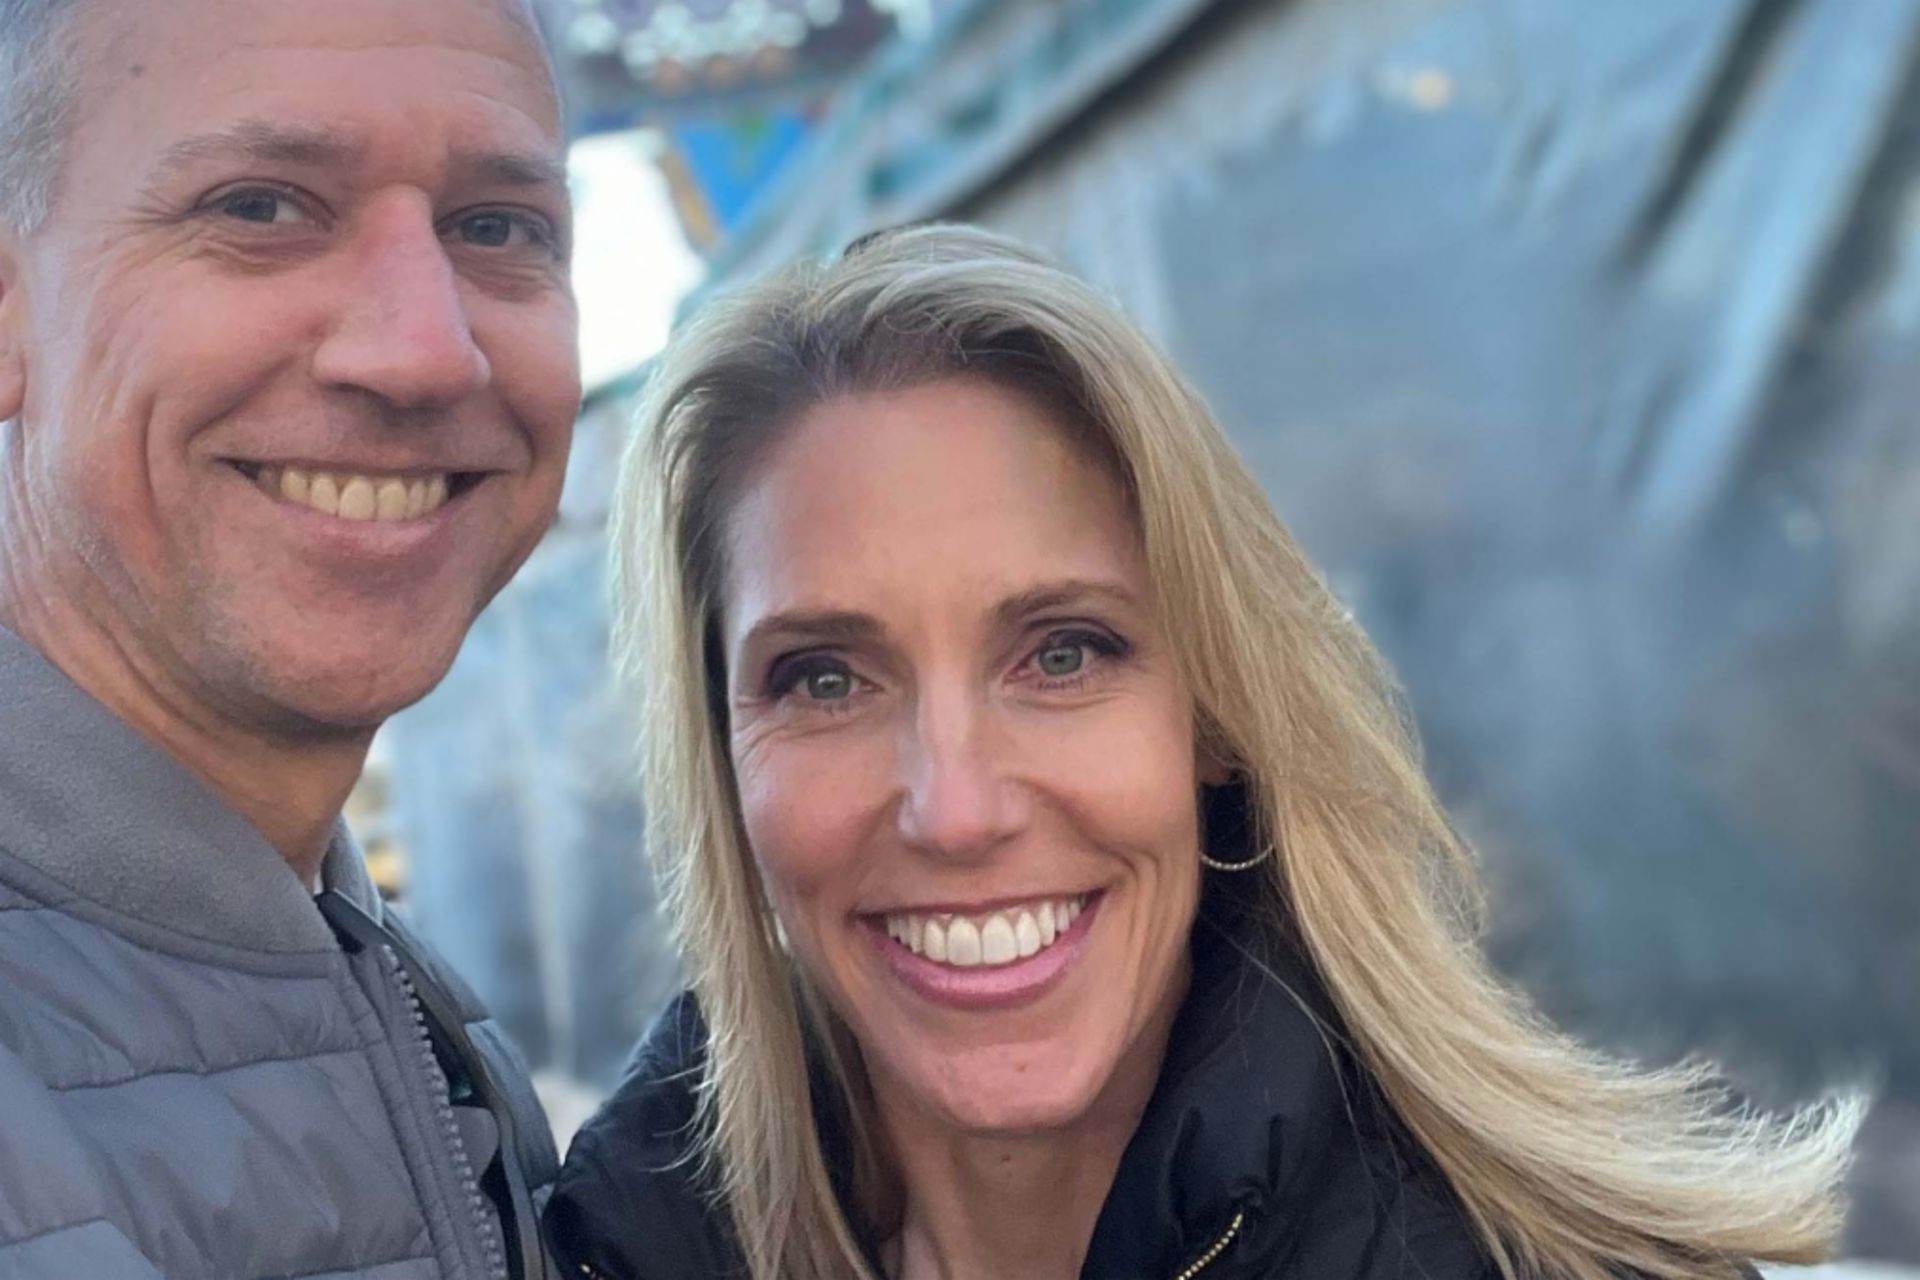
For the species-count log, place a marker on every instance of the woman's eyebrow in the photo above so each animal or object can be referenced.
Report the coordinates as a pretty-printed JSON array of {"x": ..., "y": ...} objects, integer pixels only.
[
  {"x": 846, "y": 626},
  {"x": 1065, "y": 594},
  {"x": 820, "y": 626}
]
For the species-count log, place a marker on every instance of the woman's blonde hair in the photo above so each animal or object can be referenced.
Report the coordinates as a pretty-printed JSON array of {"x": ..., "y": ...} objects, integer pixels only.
[{"x": 1569, "y": 1163}]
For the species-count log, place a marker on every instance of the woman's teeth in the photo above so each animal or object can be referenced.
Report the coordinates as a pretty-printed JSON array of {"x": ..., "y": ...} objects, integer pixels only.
[
  {"x": 998, "y": 937},
  {"x": 356, "y": 497}
]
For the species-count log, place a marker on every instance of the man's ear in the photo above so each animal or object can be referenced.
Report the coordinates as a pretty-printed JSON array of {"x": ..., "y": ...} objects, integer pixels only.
[{"x": 13, "y": 323}]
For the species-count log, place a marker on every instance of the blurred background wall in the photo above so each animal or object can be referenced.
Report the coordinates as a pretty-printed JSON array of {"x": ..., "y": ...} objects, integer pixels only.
[{"x": 1577, "y": 342}]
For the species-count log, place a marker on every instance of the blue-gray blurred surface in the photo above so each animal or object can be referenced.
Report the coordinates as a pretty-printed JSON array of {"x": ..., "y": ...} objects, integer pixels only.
[{"x": 513, "y": 789}]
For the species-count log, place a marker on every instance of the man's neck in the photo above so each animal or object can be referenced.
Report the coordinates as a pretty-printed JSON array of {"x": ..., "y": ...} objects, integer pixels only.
[{"x": 290, "y": 788}]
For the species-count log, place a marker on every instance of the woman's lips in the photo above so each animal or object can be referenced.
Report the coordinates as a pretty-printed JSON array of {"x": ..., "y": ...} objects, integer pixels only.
[{"x": 989, "y": 959}]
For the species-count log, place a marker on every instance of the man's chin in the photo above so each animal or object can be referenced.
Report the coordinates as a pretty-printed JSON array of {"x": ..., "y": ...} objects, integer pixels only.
[{"x": 341, "y": 698}]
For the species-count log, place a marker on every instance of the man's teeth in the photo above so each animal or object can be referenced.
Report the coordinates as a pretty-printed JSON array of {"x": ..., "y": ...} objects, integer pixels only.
[
  {"x": 354, "y": 497},
  {"x": 998, "y": 937}
]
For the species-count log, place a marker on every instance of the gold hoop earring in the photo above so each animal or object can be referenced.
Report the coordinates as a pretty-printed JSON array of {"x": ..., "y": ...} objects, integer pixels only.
[{"x": 1217, "y": 865}]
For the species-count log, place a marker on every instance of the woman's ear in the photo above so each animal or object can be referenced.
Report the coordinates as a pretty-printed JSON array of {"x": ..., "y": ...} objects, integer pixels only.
[{"x": 1210, "y": 764}]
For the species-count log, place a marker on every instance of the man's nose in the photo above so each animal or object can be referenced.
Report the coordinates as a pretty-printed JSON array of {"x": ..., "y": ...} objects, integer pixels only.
[
  {"x": 959, "y": 799},
  {"x": 403, "y": 332}
]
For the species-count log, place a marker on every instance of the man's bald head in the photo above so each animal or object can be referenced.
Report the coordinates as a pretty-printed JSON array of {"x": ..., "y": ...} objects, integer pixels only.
[{"x": 39, "y": 64}]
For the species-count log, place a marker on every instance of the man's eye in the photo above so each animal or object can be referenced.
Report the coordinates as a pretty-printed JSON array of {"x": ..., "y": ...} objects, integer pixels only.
[
  {"x": 257, "y": 204},
  {"x": 498, "y": 229}
]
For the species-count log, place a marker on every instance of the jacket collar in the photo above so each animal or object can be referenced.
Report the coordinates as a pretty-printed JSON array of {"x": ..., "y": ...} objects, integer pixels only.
[
  {"x": 91, "y": 811},
  {"x": 1250, "y": 1096},
  {"x": 1254, "y": 1112}
]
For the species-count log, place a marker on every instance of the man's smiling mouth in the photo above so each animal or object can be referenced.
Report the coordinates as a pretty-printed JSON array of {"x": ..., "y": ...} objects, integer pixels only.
[{"x": 359, "y": 496}]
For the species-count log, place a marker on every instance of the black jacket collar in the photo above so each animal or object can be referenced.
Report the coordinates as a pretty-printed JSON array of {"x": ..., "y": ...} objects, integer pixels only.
[
  {"x": 1250, "y": 1096},
  {"x": 1258, "y": 1114}
]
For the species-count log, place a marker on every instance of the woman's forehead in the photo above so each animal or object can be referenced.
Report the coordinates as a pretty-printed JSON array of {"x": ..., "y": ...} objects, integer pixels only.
[{"x": 921, "y": 492}]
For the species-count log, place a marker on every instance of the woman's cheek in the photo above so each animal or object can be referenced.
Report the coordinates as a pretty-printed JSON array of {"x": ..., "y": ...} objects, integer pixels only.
[
  {"x": 1127, "y": 771},
  {"x": 810, "y": 807}
]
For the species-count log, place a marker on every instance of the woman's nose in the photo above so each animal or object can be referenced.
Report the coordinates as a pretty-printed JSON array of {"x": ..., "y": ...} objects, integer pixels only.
[{"x": 959, "y": 799}]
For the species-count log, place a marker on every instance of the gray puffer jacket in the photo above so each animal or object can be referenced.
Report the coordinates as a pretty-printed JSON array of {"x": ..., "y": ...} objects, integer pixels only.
[{"x": 201, "y": 1077}]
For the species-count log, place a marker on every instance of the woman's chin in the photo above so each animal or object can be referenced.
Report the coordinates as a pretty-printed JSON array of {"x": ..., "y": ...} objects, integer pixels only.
[
  {"x": 1013, "y": 1117},
  {"x": 1009, "y": 1092}
]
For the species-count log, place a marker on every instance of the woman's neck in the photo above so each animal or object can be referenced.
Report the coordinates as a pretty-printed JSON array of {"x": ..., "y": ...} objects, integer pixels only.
[{"x": 1014, "y": 1206}]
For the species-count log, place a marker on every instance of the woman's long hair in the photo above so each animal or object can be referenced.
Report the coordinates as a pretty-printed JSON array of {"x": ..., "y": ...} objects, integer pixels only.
[{"x": 1569, "y": 1163}]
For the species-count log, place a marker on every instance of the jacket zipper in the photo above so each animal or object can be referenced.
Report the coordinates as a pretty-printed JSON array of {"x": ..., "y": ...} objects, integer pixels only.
[
  {"x": 490, "y": 1243},
  {"x": 1214, "y": 1250}
]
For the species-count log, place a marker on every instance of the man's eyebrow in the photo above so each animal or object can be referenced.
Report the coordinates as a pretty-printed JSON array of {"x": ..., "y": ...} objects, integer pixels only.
[
  {"x": 263, "y": 142},
  {"x": 267, "y": 142},
  {"x": 513, "y": 168}
]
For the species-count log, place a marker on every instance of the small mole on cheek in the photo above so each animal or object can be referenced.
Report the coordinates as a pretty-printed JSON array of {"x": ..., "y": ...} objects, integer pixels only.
[{"x": 137, "y": 70}]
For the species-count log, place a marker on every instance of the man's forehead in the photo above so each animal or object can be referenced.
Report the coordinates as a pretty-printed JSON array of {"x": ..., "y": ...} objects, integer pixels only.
[
  {"x": 344, "y": 146},
  {"x": 240, "y": 18},
  {"x": 308, "y": 83},
  {"x": 120, "y": 40}
]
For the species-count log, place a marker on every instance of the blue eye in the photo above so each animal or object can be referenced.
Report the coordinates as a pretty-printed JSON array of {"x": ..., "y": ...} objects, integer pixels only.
[
  {"x": 1074, "y": 653},
  {"x": 828, "y": 686},
  {"x": 815, "y": 677},
  {"x": 259, "y": 205},
  {"x": 1061, "y": 659},
  {"x": 500, "y": 229}
]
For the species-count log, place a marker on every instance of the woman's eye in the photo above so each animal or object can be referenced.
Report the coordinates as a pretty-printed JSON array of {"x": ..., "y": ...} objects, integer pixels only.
[
  {"x": 1074, "y": 655},
  {"x": 813, "y": 679},
  {"x": 1071, "y": 655},
  {"x": 1061, "y": 659},
  {"x": 259, "y": 205},
  {"x": 828, "y": 686}
]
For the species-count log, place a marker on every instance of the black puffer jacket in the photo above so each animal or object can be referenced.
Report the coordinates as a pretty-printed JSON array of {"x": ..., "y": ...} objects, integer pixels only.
[{"x": 1262, "y": 1154}]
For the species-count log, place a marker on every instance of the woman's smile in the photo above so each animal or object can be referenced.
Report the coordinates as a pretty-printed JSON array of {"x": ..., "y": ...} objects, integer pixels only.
[
  {"x": 998, "y": 936},
  {"x": 985, "y": 959}
]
